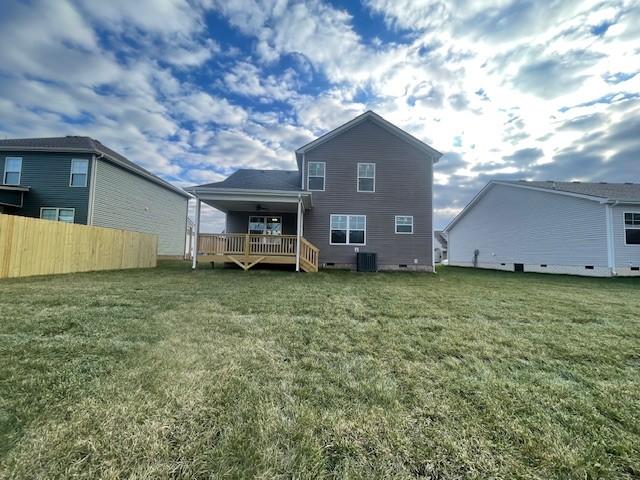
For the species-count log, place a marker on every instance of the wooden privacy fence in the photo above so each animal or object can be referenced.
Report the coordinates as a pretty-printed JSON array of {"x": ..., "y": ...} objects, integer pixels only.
[{"x": 30, "y": 246}]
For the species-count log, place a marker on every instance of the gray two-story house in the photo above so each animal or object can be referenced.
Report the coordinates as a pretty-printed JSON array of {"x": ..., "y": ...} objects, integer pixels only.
[
  {"x": 365, "y": 187},
  {"x": 79, "y": 180}
]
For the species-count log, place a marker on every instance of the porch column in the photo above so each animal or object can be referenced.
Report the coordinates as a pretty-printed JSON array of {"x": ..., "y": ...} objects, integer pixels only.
[
  {"x": 298, "y": 234},
  {"x": 196, "y": 235}
]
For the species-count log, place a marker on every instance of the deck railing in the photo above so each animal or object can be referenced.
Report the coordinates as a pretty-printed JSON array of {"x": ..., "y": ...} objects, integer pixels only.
[
  {"x": 243, "y": 243},
  {"x": 309, "y": 252},
  {"x": 235, "y": 245}
]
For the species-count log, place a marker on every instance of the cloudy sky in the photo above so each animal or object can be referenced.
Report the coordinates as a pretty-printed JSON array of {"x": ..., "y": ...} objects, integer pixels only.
[{"x": 192, "y": 90}]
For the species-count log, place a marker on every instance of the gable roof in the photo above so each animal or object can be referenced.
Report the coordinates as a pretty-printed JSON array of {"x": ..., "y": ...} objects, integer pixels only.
[
  {"x": 79, "y": 144},
  {"x": 390, "y": 127},
  {"x": 601, "y": 192},
  {"x": 250, "y": 179}
]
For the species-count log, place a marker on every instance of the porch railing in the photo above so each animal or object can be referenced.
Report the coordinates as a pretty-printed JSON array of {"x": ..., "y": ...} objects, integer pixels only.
[
  {"x": 246, "y": 244},
  {"x": 309, "y": 253}
]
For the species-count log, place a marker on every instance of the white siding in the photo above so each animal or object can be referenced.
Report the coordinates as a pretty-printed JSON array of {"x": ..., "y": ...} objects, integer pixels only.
[
  {"x": 516, "y": 225},
  {"x": 626, "y": 255},
  {"x": 127, "y": 201}
]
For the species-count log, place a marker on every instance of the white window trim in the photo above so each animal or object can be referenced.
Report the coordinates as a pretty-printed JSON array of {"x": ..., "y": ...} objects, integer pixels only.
[
  {"x": 265, "y": 223},
  {"x": 324, "y": 176},
  {"x": 629, "y": 227},
  {"x": 57, "y": 209},
  {"x": 396, "y": 225},
  {"x": 4, "y": 173},
  {"x": 348, "y": 229},
  {"x": 86, "y": 175},
  {"x": 358, "y": 177}
]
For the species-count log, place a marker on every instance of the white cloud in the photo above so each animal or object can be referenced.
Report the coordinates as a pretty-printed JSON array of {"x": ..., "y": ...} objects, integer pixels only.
[{"x": 205, "y": 108}]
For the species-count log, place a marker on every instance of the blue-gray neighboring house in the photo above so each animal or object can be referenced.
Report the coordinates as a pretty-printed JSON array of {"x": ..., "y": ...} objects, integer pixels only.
[{"x": 79, "y": 180}]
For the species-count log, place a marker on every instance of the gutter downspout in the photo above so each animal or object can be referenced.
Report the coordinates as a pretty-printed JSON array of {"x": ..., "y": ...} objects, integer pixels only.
[
  {"x": 433, "y": 256},
  {"x": 298, "y": 235},
  {"x": 611, "y": 256},
  {"x": 194, "y": 261}
]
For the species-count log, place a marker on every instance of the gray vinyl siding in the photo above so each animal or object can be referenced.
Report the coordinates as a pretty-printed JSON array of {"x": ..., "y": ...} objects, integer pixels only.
[
  {"x": 625, "y": 255},
  {"x": 127, "y": 201},
  {"x": 238, "y": 222},
  {"x": 403, "y": 187},
  {"x": 48, "y": 175},
  {"x": 516, "y": 225}
]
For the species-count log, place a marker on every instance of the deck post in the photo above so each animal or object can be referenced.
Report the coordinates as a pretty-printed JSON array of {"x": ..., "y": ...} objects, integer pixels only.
[
  {"x": 196, "y": 236},
  {"x": 298, "y": 233},
  {"x": 247, "y": 252}
]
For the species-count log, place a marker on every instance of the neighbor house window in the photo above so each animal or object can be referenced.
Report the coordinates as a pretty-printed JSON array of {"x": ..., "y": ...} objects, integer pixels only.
[
  {"x": 632, "y": 228},
  {"x": 79, "y": 172},
  {"x": 404, "y": 224},
  {"x": 348, "y": 229},
  {"x": 366, "y": 177},
  {"x": 315, "y": 176},
  {"x": 12, "y": 170},
  {"x": 58, "y": 214}
]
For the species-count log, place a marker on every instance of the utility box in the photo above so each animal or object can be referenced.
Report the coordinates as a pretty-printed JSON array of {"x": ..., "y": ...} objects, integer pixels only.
[{"x": 366, "y": 262}]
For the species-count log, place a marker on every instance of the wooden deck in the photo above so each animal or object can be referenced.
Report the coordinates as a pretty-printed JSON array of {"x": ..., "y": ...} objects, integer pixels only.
[{"x": 247, "y": 250}]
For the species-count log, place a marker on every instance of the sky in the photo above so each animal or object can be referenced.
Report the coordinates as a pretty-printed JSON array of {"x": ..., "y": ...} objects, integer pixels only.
[{"x": 194, "y": 89}]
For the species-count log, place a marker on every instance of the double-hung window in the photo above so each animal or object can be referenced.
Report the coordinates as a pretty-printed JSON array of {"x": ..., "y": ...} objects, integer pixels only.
[
  {"x": 404, "y": 224},
  {"x": 12, "y": 170},
  {"x": 79, "y": 172},
  {"x": 632, "y": 228},
  {"x": 366, "y": 177},
  {"x": 316, "y": 176},
  {"x": 348, "y": 230},
  {"x": 58, "y": 214}
]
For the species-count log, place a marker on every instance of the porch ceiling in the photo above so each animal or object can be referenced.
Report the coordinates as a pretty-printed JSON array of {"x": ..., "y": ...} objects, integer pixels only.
[
  {"x": 251, "y": 206},
  {"x": 227, "y": 200}
]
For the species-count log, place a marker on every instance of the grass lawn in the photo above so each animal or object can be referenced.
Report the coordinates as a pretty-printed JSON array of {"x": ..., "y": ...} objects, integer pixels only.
[{"x": 166, "y": 373}]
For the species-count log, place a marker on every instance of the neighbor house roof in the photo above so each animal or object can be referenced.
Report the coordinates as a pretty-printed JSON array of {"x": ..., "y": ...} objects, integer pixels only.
[
  {"x": 79, "y": 144},
  {"x": 390, "y": 127},
  {"x": 441, "y": 236},
  {"x": 602, "y": 192},
  {"x": 605, "y": 190},
  {"x": 249, "y": 179}
]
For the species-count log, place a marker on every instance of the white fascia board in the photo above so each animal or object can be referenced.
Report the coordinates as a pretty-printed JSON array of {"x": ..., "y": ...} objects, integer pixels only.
[
  {"x": 550, "y": 190},
  {"x": 237, "y": 194},
  {"x": 468, "y": 207}
]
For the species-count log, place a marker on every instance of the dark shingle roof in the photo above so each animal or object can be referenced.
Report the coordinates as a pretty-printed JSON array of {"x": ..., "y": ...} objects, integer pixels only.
[
  {"x": 248, "y": 179},
  {"x": 611, "y": 191},
  {"x": 80, "y": 144}
]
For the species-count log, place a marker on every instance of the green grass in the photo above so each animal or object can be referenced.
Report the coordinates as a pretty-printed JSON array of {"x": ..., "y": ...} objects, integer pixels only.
[{"x": 167, "y": 373}]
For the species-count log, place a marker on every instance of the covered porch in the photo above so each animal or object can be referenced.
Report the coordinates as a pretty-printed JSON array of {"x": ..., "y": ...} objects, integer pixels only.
[{"x": 262, "y": 227}]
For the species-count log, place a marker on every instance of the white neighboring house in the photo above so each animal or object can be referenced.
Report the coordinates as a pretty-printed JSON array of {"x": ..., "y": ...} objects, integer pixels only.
[
  {"x": 553, "y": 227},
  {"x": 439, "y": 246}
]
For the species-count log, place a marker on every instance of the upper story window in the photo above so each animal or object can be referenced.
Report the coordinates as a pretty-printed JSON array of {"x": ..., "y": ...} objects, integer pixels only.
[
  {"x": 404, "y": 224},
  {"x": 316, "y": 176},
  {"x": 58, "y": 214},
  {"x": 366, "y": 177},
  {"x": 79, "y": 172},
  {"x": 631, "y": 228},
  {"x": 348, "y": 230},
  {"x": 12, "y": 170}
]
